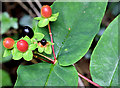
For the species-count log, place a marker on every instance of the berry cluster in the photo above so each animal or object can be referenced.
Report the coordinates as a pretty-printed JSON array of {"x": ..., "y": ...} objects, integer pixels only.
[{"x": 25, "y": 46}]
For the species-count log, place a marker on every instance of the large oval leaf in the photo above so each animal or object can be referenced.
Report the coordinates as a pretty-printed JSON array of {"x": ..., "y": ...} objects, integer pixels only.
[
  {"x": 75, "y": 28},
  {"x": 44, "y": 74},
  {"x": 104, "y": 60}
]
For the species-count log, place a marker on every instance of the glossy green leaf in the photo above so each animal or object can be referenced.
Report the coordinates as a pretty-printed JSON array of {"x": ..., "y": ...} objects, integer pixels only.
[
  {"x": 32, "y": 46},
  {"x": 75, "y": 29},
  {"x": 53, "y": 17},
  {"x": 44, "y": 74},
  {"x": 43, "y": 22},
  {"x": 7, "y": 52},
  {"x": 28, "y": 55},
  {"x": 39, "y": 36},
  {"x": 7, "y": 22},
  {"x": 48, "y": 49},
  {"x": 17, "y": 55},
  {"x": 5, "y": 79},
  {"x": 104, "y": 59}
]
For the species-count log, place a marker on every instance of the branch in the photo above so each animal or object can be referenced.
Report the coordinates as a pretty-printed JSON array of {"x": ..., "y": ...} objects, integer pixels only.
[
  {"x": 41, "y": 59},
  {"x": 34, "y": 9},
  {"x": 44, "y": 56},
  {"x": 52, "y": 42},
  {"x": 39, "y": 5},
  {"x": 25, "y": 7},
  {"x": 95, "y": 84}
]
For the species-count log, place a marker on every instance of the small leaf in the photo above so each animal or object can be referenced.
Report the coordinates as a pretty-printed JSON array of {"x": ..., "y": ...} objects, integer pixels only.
[
  {"x": 33, "y": 40},
  {"x": 7, "y": 52},
  {"x": 38, "y": 18},
  {"x": 39, "y": 36},
  {"x": 27, "y": 39},
  {"x": 43, "y": 22},
  {"x": 32, "y": 46},
  {"x": 48, "y": 49},
  {"x": 16, "y": 54},
  {"x": 40, "y": 49},
  {"x": 53, "y": 17},
  {"x": 7, "y": 22},
  {"x": 28, "y": 55}
]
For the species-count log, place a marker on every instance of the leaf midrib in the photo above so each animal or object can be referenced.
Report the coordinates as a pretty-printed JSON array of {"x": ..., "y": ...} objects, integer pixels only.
[
  {"x": 52, "y": 66},
  {"x": 114, "y": 72}
]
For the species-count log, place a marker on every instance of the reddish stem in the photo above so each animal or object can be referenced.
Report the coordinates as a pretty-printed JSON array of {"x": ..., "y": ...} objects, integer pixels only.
[
  {"x": 46, "y": 57},
  {"x": 52, "y": 42},
  {"x": 95, "y": 84},
  {"x": 42, "y": 59}
]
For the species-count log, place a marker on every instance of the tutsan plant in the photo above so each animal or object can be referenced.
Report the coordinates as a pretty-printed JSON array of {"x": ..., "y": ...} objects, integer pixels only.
[{"x": 71, "y": 36}]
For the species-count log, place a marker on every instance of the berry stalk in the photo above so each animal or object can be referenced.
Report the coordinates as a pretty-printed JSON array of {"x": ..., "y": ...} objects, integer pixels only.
[
  {"x": 41, "y": 59},
  {"x": 44, "y": 56},
  {"x": 52, "y": 42},
  {"x": 95, "y": 84}
]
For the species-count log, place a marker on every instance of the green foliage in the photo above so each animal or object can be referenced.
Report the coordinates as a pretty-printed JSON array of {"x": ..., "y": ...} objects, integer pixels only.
[
  {"x": 104, "y": 60},
  {"x": 44, "y": 74},
  {"x": 53, "y": 17},
  {"x": 44, "y": 21},
  {"x": 40, "y": 49},
  {"x": 48, "y": 49},
  {"x": 38, "y": 36},
  {"x": 7, "y": 52},
  {"x": 7, "y": 22},
  {"x": 73, "y": 32},
  {"x": 17, "y": 55},
  {"x": 5, "y": 79},
  {"x": 72, "y": 39},
  {"x": 28, "y": 55}
]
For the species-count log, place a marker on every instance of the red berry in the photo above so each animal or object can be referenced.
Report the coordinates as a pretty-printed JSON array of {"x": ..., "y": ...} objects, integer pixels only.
[
  {"x": 22, "y": 45},
  {"x": 46, "y": 11},
  {"x": 8, "y": 43}
]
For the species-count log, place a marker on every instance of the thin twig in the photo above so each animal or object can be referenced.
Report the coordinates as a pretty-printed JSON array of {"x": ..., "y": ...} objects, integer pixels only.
[
  {"x": 45, "y": 57},
  {"x": 95, "y": 84},
  {"x": 52, "y": 42},
  {"x": 25, "y": 7},
  {"x": 33, "y": 7},
  {"x": 38, "y": 3},
  {"x": 41, "y": 59}
]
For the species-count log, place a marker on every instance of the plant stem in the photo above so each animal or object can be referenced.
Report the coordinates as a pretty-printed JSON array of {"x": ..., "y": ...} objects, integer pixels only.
[
  {"x": 52, "y": 42},
  {"x": 38, "y": 3},
  {"x": 25, "y": 7},
  {"x": 45, "y": 57},
  {"x": 95, "y": 84},
  {"x": 34, "y": 8},
  {"x": 41, "y": 59}
]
